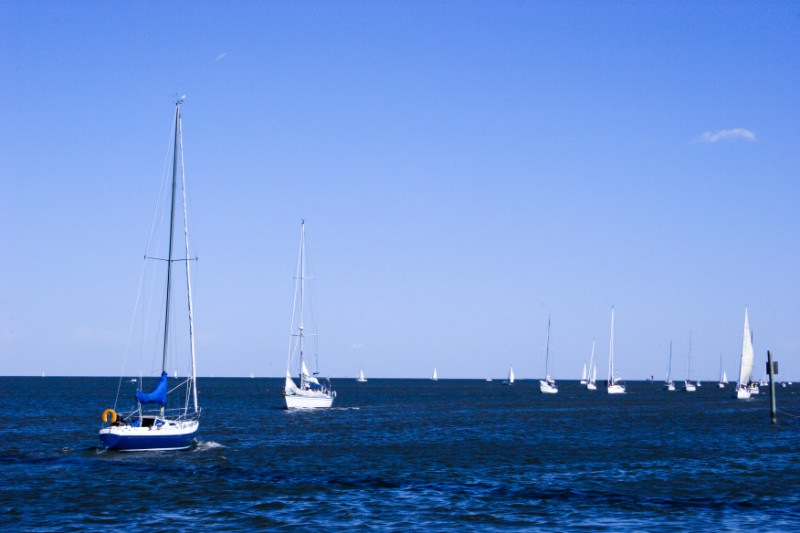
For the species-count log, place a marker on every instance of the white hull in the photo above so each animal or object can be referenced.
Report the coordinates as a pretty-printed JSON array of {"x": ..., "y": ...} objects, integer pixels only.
[
  {"x": 689, "y": 387},
  {"x": 591, "y": 386},
  {"x": 547, "y": 388},
  {"x": 670, "y": 386},
  {"x": 616, "y": 389},
  {"x": 721, "y": 385},
  {"x": 296, "y": 401},
  {"x": 741, "y": 393},
  {"x": 753, "y": 390}
]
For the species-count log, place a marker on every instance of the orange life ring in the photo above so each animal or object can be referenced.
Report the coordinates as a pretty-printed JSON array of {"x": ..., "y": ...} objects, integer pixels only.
[{"x": 109, "y": 412}]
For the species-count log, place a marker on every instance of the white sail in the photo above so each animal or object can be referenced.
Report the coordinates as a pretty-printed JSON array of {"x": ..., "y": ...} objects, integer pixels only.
[
  {"x": 511, "y": 374},
  {"x": 746, "y": 366},
  {"x": 583, "y": 375},
  {"x": 435, "y": 376},
  {"x": 289, "y": 387},
  {"x": 361, "y": 378}
]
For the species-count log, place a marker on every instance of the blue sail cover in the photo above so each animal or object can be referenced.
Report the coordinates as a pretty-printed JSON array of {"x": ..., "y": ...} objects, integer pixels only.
[{"x": 159, "y": 394}]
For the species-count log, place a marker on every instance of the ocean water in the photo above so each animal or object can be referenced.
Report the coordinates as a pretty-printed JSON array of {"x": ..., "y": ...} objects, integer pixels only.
[{"x": 407, "y": 455}]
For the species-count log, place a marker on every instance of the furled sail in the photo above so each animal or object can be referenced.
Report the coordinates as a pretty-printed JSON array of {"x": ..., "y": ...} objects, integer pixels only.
[{"x": 159, "y": 394}]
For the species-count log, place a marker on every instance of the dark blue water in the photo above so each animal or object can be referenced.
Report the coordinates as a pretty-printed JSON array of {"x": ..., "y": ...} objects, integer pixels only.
[{"x": 407, "y": 455}]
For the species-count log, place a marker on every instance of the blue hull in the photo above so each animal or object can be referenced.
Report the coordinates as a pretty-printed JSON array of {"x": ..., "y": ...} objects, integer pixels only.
[{"x": 131, "y": 443}]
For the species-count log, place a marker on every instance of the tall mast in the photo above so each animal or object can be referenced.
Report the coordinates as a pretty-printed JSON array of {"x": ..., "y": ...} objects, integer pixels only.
[
  {"x": 611, "y": 351},
  {"x": 302, "y": 283},
  {"x": 188, "y": 277},
  {"x": 669, "y": 366},
  {"x": 689, "y": 364},
  {"x": 547, "y": 351},
  {"x": 171, "y": 228}
]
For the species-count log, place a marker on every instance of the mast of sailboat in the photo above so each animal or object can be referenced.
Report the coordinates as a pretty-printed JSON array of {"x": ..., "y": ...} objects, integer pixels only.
[
  {"x": 669, "y": 366},
  {"x": 302, "y": 301},
  {"x": 611, "y": 352},
  {"x": 547, "y": 352},
  {"x": 689, "y": 364},
  {"x": 171, "y": 229},
  {"x": 179, "y": 144}
]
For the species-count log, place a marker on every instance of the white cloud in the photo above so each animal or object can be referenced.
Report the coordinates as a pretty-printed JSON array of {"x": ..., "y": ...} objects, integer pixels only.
[
  {"x": 726, "y": 135},
  {"x": 223, "y": 54}
]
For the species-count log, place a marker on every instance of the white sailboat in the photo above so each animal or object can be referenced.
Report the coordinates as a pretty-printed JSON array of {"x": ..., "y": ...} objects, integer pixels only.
[
  {"x": 613, "y": 386},
  {"x": 723, "y": 378},
  {"x": 688, "y": 386},
  {"x": 668, "y": 383},
  {"x": 361, "y": 378},
  {"x": 150, "y": 426},
  {"x": 435, "y": 376},
  {"x": 591, "y": 384},
  {"x": 548, "y": 384},
  {"x": 510, "y": 380},
  {"x": 743, "y": 386},
  {"x": 311, "y": 393},
  {"x": 584, "y": 376}
]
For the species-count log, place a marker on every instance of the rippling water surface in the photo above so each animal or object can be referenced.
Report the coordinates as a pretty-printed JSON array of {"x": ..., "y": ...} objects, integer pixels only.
[{"x": 407, "y": 455}]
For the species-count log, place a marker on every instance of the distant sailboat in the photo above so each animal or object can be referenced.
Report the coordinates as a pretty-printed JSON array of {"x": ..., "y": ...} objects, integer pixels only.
[
  {"x": 613, "y": 386},
  {"x": 435, "y": 376},
  {"x": 156, "y": 428},
  {"x": 669, "y": 384},
  {"x": 548, "y": 384},
  {"x": 361, "y": 378},
  {"x": 510, "y": 380},
  {"x": 311, "y": 393},
  {"x": 743, "y": 386},
  {"x": 591, "y": 385},
  {"x": 723, "y": 380},
  {"x": 584, "y": 376},
  {"x": 688, "y": 386}
]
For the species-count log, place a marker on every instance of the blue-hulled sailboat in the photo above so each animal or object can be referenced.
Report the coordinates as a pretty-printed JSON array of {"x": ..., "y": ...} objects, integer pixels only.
[{"x": 149, "y": 425}]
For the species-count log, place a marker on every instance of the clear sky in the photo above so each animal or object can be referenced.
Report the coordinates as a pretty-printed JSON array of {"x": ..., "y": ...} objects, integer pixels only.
[{"x": 465, "y": 169}]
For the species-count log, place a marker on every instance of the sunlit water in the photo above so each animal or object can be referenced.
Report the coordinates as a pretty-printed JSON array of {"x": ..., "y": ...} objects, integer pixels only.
[{"x": 407, "y": 455}]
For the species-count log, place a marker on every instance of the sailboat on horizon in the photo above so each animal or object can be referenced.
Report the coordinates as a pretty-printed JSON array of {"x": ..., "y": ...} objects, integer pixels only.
[
  {"x": 668, "y": 383},
  {"x": 435, "y": 376},
  {"x": 744, "y": 387},
  {"x": 361, "y": 378},
  {"x": 613, "y": 386},
  {"x": 591, "y": 384},
  {"x": 688, "y": 386},
  {"x": 150, "y": 426},
  {"x": 510, "y": 380},
  {"x": 548, "y": 384},
  {"x": 723, "y": 377},
  {"x": 311, "y": 394}
]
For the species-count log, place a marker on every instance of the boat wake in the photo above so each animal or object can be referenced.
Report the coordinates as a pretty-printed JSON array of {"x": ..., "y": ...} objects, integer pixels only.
[{"x": 207, "y": 445}]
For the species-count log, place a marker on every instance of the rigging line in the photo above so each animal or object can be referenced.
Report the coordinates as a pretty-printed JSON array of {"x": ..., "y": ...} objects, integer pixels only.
[
  {"x": 162, "y": 186},
  {"x": 172, "y": 260},
  {"x": 130, "y": 332},
  {"x": 781, "y": 411},
  {"x": 294, "y": 311}
]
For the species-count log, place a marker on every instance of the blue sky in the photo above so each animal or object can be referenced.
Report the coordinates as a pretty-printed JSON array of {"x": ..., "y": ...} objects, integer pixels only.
[{"x": 465, "y": 169}]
